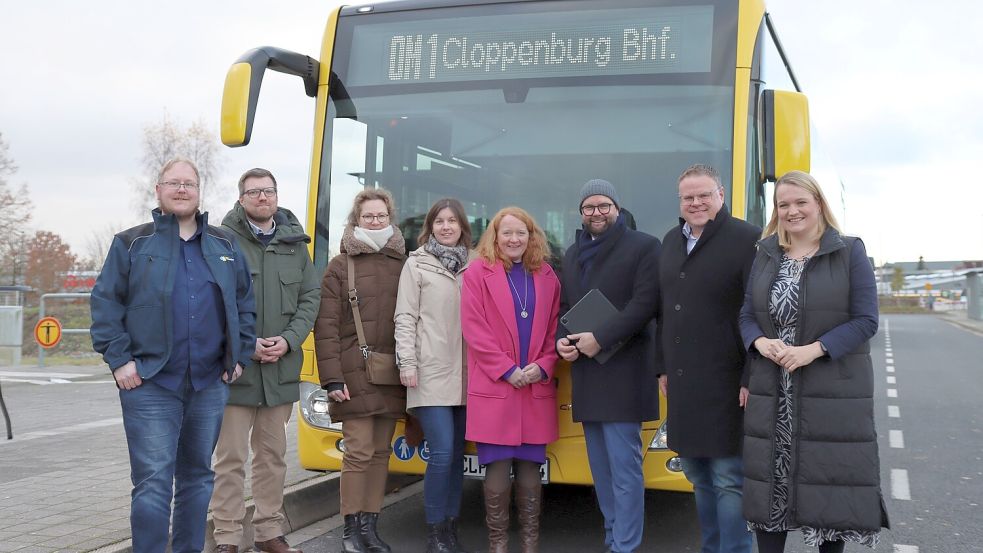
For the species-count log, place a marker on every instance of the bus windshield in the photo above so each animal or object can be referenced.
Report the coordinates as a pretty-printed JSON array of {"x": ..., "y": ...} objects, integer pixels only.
[{"x": 520, "y": 104}]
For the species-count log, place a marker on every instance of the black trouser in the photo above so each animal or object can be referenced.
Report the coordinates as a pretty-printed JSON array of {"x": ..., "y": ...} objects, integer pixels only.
[{"x": 774, "y": 542}]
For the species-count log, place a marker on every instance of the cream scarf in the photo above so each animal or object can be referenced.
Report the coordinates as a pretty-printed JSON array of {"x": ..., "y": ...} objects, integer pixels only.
[{"x": 375, "y": 239}]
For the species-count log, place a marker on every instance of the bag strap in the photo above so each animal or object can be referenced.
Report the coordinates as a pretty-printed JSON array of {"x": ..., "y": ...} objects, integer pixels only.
[{"x": 353, "y": 301}]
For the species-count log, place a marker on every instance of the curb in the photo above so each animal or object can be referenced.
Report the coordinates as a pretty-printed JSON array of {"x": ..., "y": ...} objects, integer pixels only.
[
  {"x": 972, "y": 326},
  {"x": 304, "y": 503}
]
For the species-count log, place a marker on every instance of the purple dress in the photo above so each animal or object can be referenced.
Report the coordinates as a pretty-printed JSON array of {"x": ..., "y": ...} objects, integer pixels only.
[{"x": 523, "y": 294}]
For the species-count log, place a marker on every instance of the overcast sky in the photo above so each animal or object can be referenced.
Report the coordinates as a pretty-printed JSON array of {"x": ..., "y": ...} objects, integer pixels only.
[{"x": 894, "y": 90}]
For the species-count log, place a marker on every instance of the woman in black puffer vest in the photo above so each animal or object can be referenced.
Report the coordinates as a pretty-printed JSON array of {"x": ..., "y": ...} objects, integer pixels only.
[{"x": 810, "y": 447}]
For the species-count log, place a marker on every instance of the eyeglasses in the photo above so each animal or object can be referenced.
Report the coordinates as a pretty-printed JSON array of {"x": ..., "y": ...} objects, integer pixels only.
[
  {"x": 254, "y": 193},
  {"x": 174, "y": 185},
  {"x": 589, "y": 210},
  {"x": 382, "y": 218},
  {"x": 704, "y": 197}
]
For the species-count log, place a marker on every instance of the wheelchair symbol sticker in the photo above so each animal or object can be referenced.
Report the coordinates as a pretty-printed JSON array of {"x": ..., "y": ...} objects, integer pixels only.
[
  {"x": 403, "y": 450},
  {"x": 424, "y": 451}
]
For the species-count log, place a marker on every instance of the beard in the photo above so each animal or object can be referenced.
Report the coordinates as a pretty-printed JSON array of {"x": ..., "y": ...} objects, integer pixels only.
[{"x": 261, "y": 215}]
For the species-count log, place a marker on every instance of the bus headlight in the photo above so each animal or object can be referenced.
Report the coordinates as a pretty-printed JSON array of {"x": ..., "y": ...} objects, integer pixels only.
[
  {"x": 314, "y": 407},
  {"x": 661, "y": 439}
]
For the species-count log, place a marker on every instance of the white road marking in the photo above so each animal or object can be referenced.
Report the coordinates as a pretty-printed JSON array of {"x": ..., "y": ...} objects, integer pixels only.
[
  {"x": 896, "y": 438},
  {"x": 41, "y": 374},
  {"x": 889, "y": 354},
  {"x": 890, "y": 368},
  {"x": 889, "y": 361},
  {"x": 54, "y": 381},
  {"x": 892, "y": 380},
  {"x": 898, "y": 548},
  {"x": 892, "y": 392},
  {"x": 894, "y": 411},
  {"x": 899, "y": 485},
  {"x": 65, "y": 430},
  {"x": 24, "y": 380}
]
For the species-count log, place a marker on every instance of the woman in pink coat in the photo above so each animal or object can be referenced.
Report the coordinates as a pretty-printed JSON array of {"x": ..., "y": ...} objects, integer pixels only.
[{"x": 509, "y": 307}]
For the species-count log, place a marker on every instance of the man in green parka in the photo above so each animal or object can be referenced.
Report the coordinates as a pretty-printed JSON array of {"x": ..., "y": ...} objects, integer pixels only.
[{"x": 288, "y": 292}]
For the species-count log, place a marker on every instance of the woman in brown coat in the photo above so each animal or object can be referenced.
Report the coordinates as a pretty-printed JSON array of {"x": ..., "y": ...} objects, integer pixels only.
[{"x": 361, "y": 379}]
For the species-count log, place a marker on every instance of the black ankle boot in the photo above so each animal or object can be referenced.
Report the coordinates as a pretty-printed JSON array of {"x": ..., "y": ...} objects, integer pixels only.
[
  {"x": 351, "y": 540},
  {"x": 370, "y": 535},
  {"x": 450, "y": 536},
  {"x": 436, "y": 539}
]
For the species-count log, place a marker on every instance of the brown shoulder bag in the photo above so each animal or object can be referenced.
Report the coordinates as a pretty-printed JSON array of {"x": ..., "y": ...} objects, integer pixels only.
[{"x": 379, "y": 367}]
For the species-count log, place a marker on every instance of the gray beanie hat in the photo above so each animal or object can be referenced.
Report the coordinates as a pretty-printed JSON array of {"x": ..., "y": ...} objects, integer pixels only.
[{"x": 601, "y": 187}]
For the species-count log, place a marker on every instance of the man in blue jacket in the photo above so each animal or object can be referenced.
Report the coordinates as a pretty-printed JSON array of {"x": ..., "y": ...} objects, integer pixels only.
[{"x": 173, "y": 316}]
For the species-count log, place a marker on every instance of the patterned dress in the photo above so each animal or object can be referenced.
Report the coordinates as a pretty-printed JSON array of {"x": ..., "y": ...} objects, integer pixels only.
[{"x": 783, "y": 306}]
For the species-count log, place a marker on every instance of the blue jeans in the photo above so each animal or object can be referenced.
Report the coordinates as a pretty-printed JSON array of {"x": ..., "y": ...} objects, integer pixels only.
[
  {"x": 443, "y": 427},
  {"x": 717, "y": 483},
  {"x": 171, "y": 437},
  {"x": 614, "y": 451}
]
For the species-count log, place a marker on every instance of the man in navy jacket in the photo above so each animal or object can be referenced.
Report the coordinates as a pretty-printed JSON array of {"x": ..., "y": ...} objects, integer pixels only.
[
  {"x": 173, "y": 315},
  {"x": 614, "y": 398}
]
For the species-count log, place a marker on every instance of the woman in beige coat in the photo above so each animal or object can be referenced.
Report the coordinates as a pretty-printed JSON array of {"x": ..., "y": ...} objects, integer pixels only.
[
  {"x": 430, "y": 349},
  {"x": 367, "y": 402}
]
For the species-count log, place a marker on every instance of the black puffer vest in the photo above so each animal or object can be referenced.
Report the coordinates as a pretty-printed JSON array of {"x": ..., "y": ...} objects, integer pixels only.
[{"x": 835, "y": 471}]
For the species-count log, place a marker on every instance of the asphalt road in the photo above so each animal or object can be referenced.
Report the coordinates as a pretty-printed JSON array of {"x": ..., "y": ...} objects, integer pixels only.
[
  {"x": 62, "y": 418},
  {"x": 934, "y": 444},
  {"x": 938, "y": 381}
]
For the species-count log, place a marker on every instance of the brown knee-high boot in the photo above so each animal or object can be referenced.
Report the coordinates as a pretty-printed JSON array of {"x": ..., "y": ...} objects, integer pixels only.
[
  {"x": 528, "y": 503},
  {"x": 497, "y": 517}
]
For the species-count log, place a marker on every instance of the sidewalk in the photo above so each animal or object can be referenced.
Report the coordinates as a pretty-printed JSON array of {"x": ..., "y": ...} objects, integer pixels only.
[
  {"x": 961, "y": 318},
  {"x": 65, "y": 477}
]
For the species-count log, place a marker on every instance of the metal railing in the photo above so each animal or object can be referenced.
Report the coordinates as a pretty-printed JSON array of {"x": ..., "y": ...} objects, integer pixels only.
[{"x": 41, "y": 314}]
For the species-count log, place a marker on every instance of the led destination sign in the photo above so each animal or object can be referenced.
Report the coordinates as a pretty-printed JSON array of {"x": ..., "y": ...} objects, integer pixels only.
[{"x": 578, "y": 43}]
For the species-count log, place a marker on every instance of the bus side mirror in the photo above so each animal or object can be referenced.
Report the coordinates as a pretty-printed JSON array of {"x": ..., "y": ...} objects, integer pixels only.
[
  {"x": 784, "y": 129},
  {"x": 243, "y": 81}
]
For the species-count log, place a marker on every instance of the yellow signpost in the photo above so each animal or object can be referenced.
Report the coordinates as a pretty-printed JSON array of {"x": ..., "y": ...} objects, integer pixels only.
[{"x": 47, "y": 332}]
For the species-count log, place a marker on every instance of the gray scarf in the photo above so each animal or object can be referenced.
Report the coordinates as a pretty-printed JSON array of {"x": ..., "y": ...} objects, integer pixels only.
[{"x": 453, "y": 258}]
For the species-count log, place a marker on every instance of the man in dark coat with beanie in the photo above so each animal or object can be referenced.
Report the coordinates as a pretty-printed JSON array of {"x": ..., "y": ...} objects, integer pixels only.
[
  {"x": 613, "y": 399},
  {"x": 703, "y": 271}
]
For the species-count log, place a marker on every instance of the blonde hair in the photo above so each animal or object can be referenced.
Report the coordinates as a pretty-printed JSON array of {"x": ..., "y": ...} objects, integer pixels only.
[
  {"x": 808, "y": 183},
  {"x": 701, "y": 170},
  {"x": 537, "y": 250},
  {"x": 367, "y": 195},
  {"x": 174, "y": 161}
]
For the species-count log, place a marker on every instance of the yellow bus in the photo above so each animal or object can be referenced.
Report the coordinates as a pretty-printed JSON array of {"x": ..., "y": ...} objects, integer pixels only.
[{"x": 502, "y": 102}]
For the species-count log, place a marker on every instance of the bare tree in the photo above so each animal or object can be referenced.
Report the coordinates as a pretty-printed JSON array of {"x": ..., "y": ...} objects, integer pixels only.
[
  {"x": 97, "y": 243},
  {"x": 14, "y": 219},
  {"x": 167, "y": 139}
]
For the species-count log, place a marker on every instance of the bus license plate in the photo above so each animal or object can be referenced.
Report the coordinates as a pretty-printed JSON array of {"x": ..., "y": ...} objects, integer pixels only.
[{"x": 473, "y": 470}]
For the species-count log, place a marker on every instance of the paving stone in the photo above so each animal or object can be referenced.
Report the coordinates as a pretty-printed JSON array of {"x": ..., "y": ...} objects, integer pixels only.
[
  {"x": 64, "y": 542},
  {"x": 51, "y": 520},
  {"x": 62, "y": 530},
  {"x": 100, "y": 519},
  {"x": 91, "y": 544},
  {"x": 27, "y": 526}
]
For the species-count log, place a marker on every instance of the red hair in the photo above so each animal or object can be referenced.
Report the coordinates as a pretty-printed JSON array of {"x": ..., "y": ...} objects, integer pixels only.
[{"x": 537, "y": 249}]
